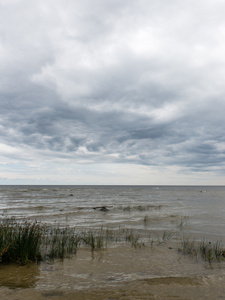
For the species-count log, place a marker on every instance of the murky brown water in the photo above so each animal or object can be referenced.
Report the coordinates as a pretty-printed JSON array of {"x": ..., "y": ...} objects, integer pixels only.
[{"x": 119, "y": 272}]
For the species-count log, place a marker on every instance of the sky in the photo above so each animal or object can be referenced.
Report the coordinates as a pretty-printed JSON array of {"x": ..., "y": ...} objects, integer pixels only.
[{"x": 112, "y": 92}]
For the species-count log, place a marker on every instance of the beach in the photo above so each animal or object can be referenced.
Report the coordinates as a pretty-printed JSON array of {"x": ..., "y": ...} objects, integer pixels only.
[{"x": 154, "y": 267}]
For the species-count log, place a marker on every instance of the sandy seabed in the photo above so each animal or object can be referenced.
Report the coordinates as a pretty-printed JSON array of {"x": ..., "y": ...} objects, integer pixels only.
[{"x": 118, "y": 272}]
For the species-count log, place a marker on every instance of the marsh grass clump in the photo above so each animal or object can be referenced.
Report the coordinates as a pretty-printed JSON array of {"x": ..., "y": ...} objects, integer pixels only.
[
  {"x": 20, "y": 242},
  {"x": 61, "y": 242},
  {"x": 219, "y": 250},
  {"x": 206, "y": 250},
  {"x": 148, "y": 207},
  {"x": 23, "y": 242},
  {"x": 133, "y": 238},
  {"x": 93, "y": 239},
  {"x": 212, "y": 251},
  {"x": 98, "y": 238},
  {"x": 189, "y": 247},
  {"x": 146, "y": 220},
  {"x": 183, "y": 223},
  {"x": 167, "y": 235},
  {"x": 127, "y": 208},
  {"x": 141, "y": 208}
]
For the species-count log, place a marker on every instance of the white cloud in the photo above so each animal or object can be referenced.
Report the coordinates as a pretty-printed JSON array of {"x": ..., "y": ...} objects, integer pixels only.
[{"x": 111, "y": 82}]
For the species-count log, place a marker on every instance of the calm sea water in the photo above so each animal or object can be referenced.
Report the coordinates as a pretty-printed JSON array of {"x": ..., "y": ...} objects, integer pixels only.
[{"x": 142, "y": 208}]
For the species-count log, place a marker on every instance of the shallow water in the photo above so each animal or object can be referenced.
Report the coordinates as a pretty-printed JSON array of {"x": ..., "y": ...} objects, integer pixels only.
[
  {"x": 120, "y": 272},
  {"x": 116, "y": 273}
]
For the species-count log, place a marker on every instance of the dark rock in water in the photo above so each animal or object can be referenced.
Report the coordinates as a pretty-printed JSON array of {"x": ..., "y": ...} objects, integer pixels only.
[
  {"x": 101, "y": 208},
  {"x": 104, "y": 209},
  {"x": 71, "y": 195}
]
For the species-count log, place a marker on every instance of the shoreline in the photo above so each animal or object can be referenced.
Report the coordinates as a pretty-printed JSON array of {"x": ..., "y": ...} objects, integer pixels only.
[{"x": 119, "y": 272}]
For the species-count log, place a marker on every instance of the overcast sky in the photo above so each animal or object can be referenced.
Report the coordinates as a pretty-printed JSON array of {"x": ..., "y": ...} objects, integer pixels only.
[{"x": 112, "y": 92}]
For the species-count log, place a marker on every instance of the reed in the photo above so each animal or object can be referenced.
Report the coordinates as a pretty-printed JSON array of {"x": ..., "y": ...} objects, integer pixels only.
[
  {"x": 100, "y": 237},
  {"x": 212, "y": 251},
  {"x": 189, "y": 247},
  {"x": 167, "y": 235},
  {"x": 61, "y": 242},
  {"x": 93, "y": 239},
  {"x": 219, "y": 250},
  {"x": 133, "y": 238},
  {"x": 207, "y": 250},
  {"x": 20, "y": 242},
  {"x": 23, "y": 242},
  {"x": 141, "y": 208},
  {"x": 184, "y": 222},
  {"x": 146, "y": 220}
]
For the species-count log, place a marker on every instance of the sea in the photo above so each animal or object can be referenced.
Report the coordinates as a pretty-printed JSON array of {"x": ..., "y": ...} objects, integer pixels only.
[{"x": 161, "y": 214}]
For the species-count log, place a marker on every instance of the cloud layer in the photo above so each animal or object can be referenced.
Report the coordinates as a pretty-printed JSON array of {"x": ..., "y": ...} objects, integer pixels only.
[{"x": 86, "y": 84}]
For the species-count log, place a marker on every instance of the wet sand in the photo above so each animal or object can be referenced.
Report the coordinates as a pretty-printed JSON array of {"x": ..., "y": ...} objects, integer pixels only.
[{"x": 119, "y": 272}]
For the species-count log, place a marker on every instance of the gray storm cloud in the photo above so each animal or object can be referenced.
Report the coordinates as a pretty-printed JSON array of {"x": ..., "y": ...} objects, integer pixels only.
[{"x": 137, "y": 82}]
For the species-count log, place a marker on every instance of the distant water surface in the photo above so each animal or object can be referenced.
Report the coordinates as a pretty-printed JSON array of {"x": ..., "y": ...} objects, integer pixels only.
[{"x": 139, "y": 207}]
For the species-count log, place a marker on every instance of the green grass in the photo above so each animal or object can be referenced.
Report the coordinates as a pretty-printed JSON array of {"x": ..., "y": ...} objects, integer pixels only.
[
  {"x": 60, "y": 242},
  {"x": 189, "y": 247},
  {"x": 23, "y": 242},
  {"x": 94, "y": 239},
  {"x": 211, "y": 251},
  {"x": 20, "y": 242},
  {"x": 208, "y": 251}
]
